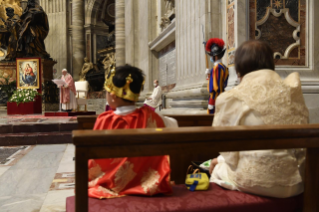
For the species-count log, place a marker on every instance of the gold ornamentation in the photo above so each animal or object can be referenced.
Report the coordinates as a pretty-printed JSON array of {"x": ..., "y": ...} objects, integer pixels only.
[
  {"x": 95, "y": 173},
  {"x": 108, "y": 191},
  {"x": 150, "y": 181},
  {"x": 123, "y": 92},
  {"x": 151, "y": 123},
  {"x": 277, "y": 4},
  {"x": 123, "y": 176}
]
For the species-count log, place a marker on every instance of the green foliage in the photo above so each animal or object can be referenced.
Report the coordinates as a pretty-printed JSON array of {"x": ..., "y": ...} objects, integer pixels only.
[
  {"x": 24, "y": 95},
  {"x": 8, "y": 86}
]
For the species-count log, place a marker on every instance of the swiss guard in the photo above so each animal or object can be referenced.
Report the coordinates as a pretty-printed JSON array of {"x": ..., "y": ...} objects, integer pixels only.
[{"x": 218, "y": 75}]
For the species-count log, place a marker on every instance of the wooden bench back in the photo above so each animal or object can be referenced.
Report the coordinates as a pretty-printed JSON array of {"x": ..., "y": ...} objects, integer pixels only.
[
  {"x": 196, "y": 140},
  {"x": 87, "y": 122}
]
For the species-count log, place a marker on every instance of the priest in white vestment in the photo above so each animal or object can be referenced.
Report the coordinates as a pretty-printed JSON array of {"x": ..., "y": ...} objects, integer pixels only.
[
  {"x": 261, "y": 98},
  {"x": 68, "y": 92},
  {"x": 155, "y": 99}
]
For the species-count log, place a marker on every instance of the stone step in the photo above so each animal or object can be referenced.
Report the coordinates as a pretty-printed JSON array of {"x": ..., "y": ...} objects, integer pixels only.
[
  {"x": 14, "y": 139},
  {"x": 38, "y": 127}
]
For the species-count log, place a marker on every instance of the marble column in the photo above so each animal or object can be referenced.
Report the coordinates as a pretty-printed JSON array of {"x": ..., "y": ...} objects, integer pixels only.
[
  {"x": 77, "y": 37},
  {"x": 120, "y": 32},
  {"x": 193, "y": 18}
]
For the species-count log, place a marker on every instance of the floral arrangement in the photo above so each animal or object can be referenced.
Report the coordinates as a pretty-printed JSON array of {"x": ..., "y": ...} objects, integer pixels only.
[{"x": 24, "y": 95}]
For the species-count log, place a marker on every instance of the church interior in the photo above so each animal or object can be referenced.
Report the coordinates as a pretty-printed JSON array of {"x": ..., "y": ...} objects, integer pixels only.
[{"x": 227, "y": 91}]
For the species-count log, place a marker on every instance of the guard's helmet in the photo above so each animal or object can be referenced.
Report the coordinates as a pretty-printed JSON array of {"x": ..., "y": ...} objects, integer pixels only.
[{"x": 215, "y": 47}]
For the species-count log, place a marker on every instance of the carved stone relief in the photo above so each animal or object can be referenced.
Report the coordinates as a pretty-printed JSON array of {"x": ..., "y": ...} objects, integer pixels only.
[
  {"x": 169, "y": 14},
  {"x": 280, "y": 23}
]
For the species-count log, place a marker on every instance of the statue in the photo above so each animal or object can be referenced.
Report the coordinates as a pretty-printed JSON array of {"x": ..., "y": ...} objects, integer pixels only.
[
  {"x": 34, "y": 29},
  {"x": 169, "y": 6},
  {"x": 109, "y": 62},
  {"x": 165, "y": 22},
  {"x": 169, "y": 14},
  {"x": 87, "y": 66},
  {"x": 9, "y": 34}
]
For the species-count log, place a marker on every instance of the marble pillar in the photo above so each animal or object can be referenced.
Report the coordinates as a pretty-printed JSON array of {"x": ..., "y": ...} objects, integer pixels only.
[
  {"x": 120, "y": 32},
  {"x": 57, "y": 42},
  {"x": 78, "y": 37},
  {"x": 193, "y": 18}
]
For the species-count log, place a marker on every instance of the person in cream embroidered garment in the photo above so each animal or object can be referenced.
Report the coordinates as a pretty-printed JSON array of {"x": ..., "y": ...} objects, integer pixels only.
[{"x": 262, "y": 98}]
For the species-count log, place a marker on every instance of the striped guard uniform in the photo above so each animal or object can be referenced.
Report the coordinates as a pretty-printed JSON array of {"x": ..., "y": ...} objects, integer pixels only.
[{"x": 218, "y": 79}]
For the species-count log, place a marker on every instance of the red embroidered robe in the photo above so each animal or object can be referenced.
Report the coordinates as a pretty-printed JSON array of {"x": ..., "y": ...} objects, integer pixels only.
[{"x": 129, "y": 176}]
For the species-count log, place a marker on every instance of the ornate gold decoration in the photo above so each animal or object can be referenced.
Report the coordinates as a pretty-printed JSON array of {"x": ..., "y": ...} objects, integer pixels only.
[
  {"x": 277, "y": 4},
  {"x": 290, "y": 21},
  {"x": 123, "y": 92},
  {"x": 150, "y": 181},
  {"x": 123, "y": 176}
]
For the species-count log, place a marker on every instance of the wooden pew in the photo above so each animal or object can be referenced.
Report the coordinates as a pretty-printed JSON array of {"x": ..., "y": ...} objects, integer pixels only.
[
  {"x": 195, "y": 140},
  {"x": 87, "y": 122}
]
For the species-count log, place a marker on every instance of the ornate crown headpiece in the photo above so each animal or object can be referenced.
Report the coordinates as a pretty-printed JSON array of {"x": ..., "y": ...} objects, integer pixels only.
[{"x": 123, "y": 92}]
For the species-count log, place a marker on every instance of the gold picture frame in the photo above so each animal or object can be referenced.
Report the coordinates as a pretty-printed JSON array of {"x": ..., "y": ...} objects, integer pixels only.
[{"x": 28, "y": 73}]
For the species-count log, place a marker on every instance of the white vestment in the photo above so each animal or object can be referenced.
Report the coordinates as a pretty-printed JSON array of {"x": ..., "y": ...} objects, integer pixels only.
[
  {"x": 71, "y": 105},
  {"x": 262, "y": 98},
  {"x": 155, "y": 98},
  {"x": 125, "y": 110}
]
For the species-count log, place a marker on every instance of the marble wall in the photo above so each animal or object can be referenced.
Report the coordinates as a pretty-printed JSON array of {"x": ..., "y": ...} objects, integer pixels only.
[
  {"x": 145, "y": 43},
  {"x": 282, "y": 24},
  {"x": 139, "y": 31},
  {"x": 231, "y": 20},
  {"x": 57, "y": 41},
  {"x": 231, "y": 44},
  {"x": 196, "y": 21},
  {"x": 167, "y": 66},
  {"x": 301, "y": 15}
]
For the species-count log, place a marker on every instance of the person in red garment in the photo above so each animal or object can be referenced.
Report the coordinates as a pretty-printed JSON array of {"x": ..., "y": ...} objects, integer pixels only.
[{"x": 117, "y": 177}]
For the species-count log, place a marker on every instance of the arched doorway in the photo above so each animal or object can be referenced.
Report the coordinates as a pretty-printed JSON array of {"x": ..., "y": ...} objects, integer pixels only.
[{"x": 98, "y": 14}]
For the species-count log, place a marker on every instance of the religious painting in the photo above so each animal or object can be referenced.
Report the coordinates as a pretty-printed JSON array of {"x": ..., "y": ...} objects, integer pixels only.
[
  {"x": 281, "y": 24},
  {"x": 28, "y": 73}
]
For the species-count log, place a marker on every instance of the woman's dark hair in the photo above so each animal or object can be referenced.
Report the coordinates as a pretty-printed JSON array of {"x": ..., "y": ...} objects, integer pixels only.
[
  {"x": 137, "y": 75},
  {"x": 253, "y": 55}
]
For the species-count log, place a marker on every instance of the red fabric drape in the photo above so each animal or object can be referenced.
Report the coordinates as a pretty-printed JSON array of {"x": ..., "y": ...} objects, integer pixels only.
[{"x": 126, "y": 176}]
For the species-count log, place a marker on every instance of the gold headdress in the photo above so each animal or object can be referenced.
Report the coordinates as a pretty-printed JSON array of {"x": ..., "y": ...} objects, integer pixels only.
[{"x": 123, "y": 92}]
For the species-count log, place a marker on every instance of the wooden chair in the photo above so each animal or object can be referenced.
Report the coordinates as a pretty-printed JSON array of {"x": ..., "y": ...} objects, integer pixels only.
[
  {"x": 87, "y": 122},
  {"x": 196, "y": 140}
]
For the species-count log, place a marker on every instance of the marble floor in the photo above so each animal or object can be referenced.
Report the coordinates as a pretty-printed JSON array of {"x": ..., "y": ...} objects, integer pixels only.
[
  {"x": 37, "y": 178},
  {"x": 31, "y": 119}
]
